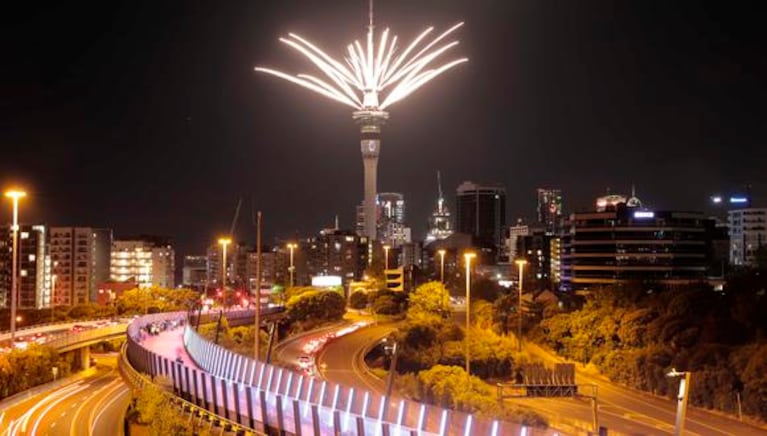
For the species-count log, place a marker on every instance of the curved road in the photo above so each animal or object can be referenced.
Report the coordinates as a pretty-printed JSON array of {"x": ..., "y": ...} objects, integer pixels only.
[{"x": 94, "y": 405}]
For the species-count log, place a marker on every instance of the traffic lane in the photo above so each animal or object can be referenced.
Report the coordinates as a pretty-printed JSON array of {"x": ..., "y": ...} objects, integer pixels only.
[
  {"x": 341, "y": 361},
  {"x": 287, "y": 352},
  {"x": 69, "y": 416},
  {"x": 108, "y": 413},
  {"x": 42, "y": 413}
]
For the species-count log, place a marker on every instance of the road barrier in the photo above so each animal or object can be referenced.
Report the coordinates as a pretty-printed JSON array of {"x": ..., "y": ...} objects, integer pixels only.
[{"x": 137, "y": 380}]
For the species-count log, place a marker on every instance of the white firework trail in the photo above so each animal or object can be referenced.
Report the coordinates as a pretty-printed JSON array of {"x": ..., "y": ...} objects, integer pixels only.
[{"x": 373, "y": 76}]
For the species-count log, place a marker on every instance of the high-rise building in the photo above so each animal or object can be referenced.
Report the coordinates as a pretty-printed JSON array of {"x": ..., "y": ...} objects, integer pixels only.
[
  {"x": 440, "y": 226},
  {"x": 333, "y": 252},
  {"x": 748, "y": 235},
  {"x": 195, "y": 272},
  {"x": 390, "y": 207},
  {"x": 147, "y": 261},
  {"x": 31, "y": 267},
  {"x": 80, "y": 260},
  {"x": 516, "y": 232},
  {"x": 550, "y": 209},
  {"x": 621, "y": 244},
  {"x": 481, "y": 212}
]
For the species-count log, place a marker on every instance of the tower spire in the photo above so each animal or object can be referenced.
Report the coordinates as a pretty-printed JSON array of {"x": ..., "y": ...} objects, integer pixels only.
[
  {"x": 370, "y": 16},
  {"x": 439, "y": 183}
]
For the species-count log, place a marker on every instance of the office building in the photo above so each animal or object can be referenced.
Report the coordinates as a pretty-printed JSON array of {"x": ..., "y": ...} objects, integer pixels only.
[
  {"x": 147, "y": 261},
  {"x": 748, "y": 235},
  {"x": 481, "y": 212},
  {"x": 332, "y": 252},
  {"x": 194, "y": 273},
  {"x": 619, "y": 244},
  {"x": 390, "y": 213},
  {"x": 549, "y": 209},
  {"x": 80, "y": 260}
]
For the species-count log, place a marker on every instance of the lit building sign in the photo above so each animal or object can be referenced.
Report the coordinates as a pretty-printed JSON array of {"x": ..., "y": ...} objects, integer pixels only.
[
  {"x": 326, "y": 281},
  {"x": 738, "y": 200},
  {"x": 643, "y": 214}
]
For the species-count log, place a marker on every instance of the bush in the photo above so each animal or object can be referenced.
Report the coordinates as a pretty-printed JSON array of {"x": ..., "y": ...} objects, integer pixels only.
[
  {"x": 387, "y": 302},
  {"x": 316, "y": 306},
  {"x": 358, "y": 300}
]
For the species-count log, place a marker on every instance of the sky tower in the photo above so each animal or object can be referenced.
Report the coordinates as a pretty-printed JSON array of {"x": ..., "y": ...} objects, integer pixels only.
[{"x": 364, "y": 74}]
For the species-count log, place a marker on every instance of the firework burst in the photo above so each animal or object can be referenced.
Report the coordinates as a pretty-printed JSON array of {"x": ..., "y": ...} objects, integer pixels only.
[{"x": 373, "y": 76}]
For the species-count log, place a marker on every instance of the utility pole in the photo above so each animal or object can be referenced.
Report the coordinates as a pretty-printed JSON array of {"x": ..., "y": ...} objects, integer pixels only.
[{"x": 258, "y": 287}]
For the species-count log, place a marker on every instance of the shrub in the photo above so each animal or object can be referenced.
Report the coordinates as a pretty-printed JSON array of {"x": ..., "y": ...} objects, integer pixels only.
[{"x": 358, "y": 300}]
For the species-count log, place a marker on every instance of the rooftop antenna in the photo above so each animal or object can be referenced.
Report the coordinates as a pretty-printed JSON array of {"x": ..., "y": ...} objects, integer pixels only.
[
  {"x": 439, "y": 183},
  {"x": 236, "y": 215}
]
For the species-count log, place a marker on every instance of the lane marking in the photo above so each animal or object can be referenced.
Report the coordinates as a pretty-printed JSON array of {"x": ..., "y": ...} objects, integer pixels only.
[
  {"x": 72, "y": 429},
  {"x": 106, "y": 407},
  {"x": 48, "y": 409}
]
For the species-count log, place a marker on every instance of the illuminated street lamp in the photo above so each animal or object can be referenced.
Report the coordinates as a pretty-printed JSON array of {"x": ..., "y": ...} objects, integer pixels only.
[
  {"x": 292, "y": 268},
  {"x": 223, "y": 242},
  {"x": 386, "y": 248},
  {"x": 468, "y": 257},
  {"x": 15, "y": 195},
  {"x": 441, "y": 252},
  {"x": 681, "y": 400},
  {"x": 521, "y": 263}
]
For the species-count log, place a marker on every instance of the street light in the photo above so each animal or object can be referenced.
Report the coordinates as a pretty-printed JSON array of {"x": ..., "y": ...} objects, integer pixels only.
[
  {"x": 292, "y": 268},
  {"x": 14, "y": 195},
  {"x": 441, "y": 252},
  {"x": 681, "y": 404},
  {"x": 223, "y": 242},
  {"x": 53, "y": 291},
  {"x": 468, "y": 257},
  {"x": 386, "y": 256},
  {"x": 521, "y": 263}
]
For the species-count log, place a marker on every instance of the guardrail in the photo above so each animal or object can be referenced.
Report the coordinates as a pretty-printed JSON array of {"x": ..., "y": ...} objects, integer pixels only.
[{"x": 137, "y": 381}]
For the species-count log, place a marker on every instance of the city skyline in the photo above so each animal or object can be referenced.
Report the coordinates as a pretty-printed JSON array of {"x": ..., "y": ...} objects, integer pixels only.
[{"x": 185, "y": 122}]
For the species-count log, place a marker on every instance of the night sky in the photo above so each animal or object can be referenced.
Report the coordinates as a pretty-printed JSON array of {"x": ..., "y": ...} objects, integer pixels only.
[{"x": 147, "y": 116}]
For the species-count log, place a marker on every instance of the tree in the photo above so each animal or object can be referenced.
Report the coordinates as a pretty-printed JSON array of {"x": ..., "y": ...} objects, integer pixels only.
[
  {"x": 428, "y": 301},
  {"x": 317, "y": 306}
]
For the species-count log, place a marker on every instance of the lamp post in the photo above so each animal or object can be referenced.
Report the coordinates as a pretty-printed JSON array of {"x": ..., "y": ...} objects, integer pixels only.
[
  {"x": 292, "y": 268},
  {"x": 681, "y": 401},
  {"x": 521, "y": 263},
  {"x": 223, "y": 242},
  {"x": 468, "y": 257},
  {"x": 14, "y": 195},
  {"x": 441, "y": 252},
  {"x": 386, "y": 248},
  {"x": 53, "y": 292}
]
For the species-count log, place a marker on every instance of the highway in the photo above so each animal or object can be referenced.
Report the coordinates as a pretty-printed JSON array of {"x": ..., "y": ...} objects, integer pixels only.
[
  {"x": 92, "y": 406},
  {"x": 633, "y": 412}
]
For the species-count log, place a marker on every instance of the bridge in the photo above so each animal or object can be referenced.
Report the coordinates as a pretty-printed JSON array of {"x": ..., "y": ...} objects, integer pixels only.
[{"x": 262, "y": 398}]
